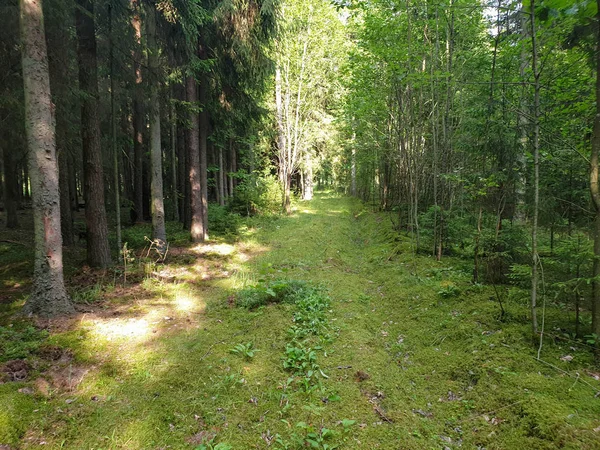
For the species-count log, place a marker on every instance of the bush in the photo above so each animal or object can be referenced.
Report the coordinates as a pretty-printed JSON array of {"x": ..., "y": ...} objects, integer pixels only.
[
  {"x": 256, "y": 195},
  {"x": 221, "y": 220}
]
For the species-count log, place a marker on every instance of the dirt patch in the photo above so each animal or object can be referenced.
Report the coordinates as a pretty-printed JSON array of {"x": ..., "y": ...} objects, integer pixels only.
[
  {"x": 67, "y": 378},
  {"x": 15, "y": 370}
]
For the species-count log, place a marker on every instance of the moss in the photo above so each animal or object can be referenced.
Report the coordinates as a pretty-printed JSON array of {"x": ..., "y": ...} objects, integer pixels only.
[{"x": 444, "y": 370}]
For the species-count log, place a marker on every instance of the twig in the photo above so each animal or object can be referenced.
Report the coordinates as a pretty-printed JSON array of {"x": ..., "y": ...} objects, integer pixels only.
[
  {"x": 210, "y": 349},
  {"x": 8, "y": 241},
  {"x": 568, "y": 374}
]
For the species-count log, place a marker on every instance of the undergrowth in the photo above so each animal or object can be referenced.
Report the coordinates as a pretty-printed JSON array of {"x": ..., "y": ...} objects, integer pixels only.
[{"x": 350, "y": 339}]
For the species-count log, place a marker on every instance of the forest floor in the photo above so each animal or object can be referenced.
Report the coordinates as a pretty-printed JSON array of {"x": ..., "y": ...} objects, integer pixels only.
[{"x": 383, "y": 349}]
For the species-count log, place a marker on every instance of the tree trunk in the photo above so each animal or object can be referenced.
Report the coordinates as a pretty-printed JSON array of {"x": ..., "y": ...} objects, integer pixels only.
[
  {"x": 174, "y": 192},
  {"x": 193, "y": 145},
  {"x": 138, "y": 121},
  {"x": 220, "y": 179},
  {"x": 49, "y": 296},
  {"x": 595, "y": 193},
  {"x": 204, "y": 126},
  {"x": 536, "y": 176},
  {"x": 113, "y": 137},
  {"x": 308, "y": 177},
  {"x": 231, "y": 166},
  {"x": 66, "y": 216},
  {"x": 73, "y": 193},
  {"x": 181, "y": 173},
  {"x": 98, "y": 251},
  {"x": 159, "y": 233},
  {"x": 59, "y": 44},
  {"x": 11, "y": 184}
]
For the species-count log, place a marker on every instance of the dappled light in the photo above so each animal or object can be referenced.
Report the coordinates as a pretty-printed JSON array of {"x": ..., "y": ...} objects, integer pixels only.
[
  {"x": 217, "y": 249},
  {"x": 300, "y": 224}
]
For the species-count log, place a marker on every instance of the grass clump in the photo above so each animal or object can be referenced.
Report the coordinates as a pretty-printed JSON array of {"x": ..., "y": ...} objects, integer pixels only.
[
  {"x": 277, "y": 291},
  {"x": 20, "y": 342}
]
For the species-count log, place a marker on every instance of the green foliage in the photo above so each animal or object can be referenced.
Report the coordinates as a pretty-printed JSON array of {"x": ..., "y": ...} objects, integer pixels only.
[
  {"x": 88, "y": 295},
  {"x": 276, "y": 291},
  {"x": 309, "y": 436},
  {"x": 246, "y": 350},
  {"x": 222, "y": 221},
  {"x": 20, "y": 342},
  {"x": 256, "y": 195},
  {"x": 211, "y": 445},
  {"x": 449, "y": 290}
]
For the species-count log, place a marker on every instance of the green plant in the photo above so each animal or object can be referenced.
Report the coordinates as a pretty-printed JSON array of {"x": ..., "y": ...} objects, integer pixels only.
[
  {"x": 256, "y": 195},
  {"x": 88, "y": 295},
  {"x": 308, "y": 436},
  {"x": 246, "y": 350},
  {"x": 210, "y": 445},
  {"x": 20, "y": 343},
  {"x": 277, "y": 291},
  {"x": 222, "y": 221},
  {"x": 592, "y": 339},
  {"x": 449, "y": 290}
]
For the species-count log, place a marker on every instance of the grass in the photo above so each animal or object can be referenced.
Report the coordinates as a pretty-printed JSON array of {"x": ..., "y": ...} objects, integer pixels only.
[{"x": 407, "y": 353}]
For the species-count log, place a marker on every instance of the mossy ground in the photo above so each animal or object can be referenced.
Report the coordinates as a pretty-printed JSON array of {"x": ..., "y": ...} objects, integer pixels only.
[{"x": 416, "y": 364}]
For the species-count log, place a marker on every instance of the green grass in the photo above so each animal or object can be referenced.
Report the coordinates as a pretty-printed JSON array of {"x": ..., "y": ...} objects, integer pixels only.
[{"x": 408, "y": 354}]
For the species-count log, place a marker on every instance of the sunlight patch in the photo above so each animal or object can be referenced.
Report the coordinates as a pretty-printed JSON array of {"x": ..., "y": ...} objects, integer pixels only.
[
  {"x": 132, "y": 328},
  {"x": 220, "y": 249},
  {"x": 185, "y": 302}
]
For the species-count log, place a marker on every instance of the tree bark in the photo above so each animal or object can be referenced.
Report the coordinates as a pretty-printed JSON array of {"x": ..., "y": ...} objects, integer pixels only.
[
  {"x": 174, "y": 190},
  {"x": 159, "y": 233},
  {"x": 98, "y": 250},
  {"x": 231, "y": 166},
  {"x": 49, "y": 296},
  {"x": 220, "y": 183},
  {"x": 59, "y": 43},
  {"x": 204, "y": 127},
  {"x": 11, "y": 185},
  {"x": 113, "y": 137},
  {"x": 308, "y": 176},
  {"x": 595, "y": 193},
  {"x": 536, "y": 176},
  {"x": 193, "y": 145},
  {"x": 137, "y": 213}
]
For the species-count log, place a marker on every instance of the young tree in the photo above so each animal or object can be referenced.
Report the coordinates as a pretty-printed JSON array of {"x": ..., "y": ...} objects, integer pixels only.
[{"x": 49, "y": 296}]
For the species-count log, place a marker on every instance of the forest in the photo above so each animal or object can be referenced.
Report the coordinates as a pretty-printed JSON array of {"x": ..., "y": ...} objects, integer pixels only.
[{"x": 292, "y": 224}]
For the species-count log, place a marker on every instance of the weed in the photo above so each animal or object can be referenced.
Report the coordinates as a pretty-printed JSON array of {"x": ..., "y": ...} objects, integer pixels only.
[
  {"x": 449, "y": 290},
  {"x": 277, "y": 291},
  {"x": 246, "y": 350},
  {"x": 88, "y": 295}
]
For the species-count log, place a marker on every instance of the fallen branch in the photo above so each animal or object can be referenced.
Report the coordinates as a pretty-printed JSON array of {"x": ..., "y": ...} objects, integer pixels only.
[{"x": 8, "y": 241}]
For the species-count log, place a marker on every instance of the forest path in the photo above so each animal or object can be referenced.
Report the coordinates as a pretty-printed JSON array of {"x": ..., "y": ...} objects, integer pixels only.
[{"x": 416, "y": 356}]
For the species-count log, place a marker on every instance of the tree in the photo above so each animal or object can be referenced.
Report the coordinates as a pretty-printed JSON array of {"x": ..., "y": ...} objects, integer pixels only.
[
  {"x": 159, "y": 233},
  {"x": 595, "y": 189},
  {"x": 49, "y": 296},
  {"x": 193, "y": 144},
  {"x": 309, "y": 51},
  {"x": 98, "y": 250}
]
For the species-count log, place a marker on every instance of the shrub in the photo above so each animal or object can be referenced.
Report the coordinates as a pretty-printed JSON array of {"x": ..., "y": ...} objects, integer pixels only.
[
  {"x": 222, "y": 221},
  {"x": 256, "y": 195}
]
